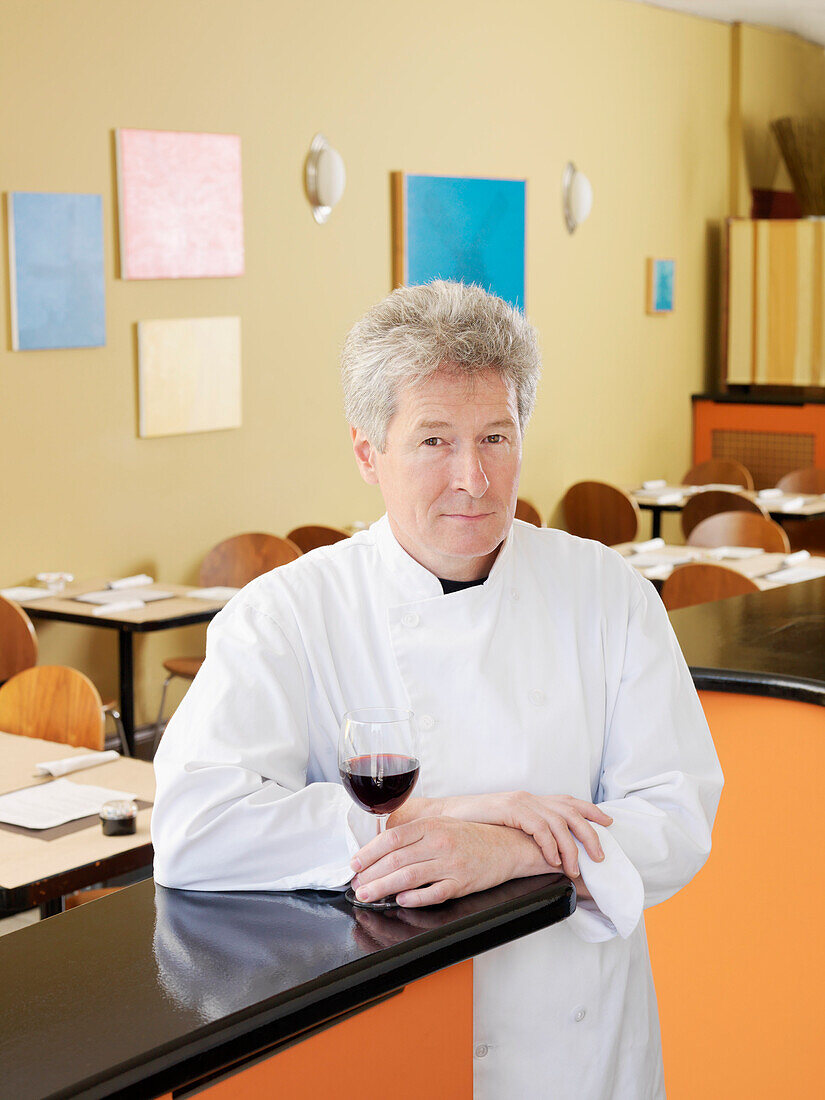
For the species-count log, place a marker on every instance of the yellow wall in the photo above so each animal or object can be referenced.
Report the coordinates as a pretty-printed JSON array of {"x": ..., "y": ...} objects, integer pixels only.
[
  {"x": 773, "y": 75},
  {"x": 636, "y": 96}
]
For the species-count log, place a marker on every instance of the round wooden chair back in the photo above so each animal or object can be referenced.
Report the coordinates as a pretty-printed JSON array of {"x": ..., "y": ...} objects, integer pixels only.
[
  {"x": 528, "y": 512},
  {"x": 54, "y": 703},
  {"x": 740, "y": 529},
  {"x": 239, "y": 560},
  {"x": 710, "y": 502},
  {"x": 18, "y": 641},
  {"x": 311, "y": 537},
  {"x": 596, "y": 510},
  {"x": 811, "y": 480},
  {"x": 719, "y": 471},
  {"x": 700, "y": 583}
]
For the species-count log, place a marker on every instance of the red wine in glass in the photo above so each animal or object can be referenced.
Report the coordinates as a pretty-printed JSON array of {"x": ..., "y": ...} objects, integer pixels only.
[
  {"x": 378, "y": 764},
  {"x": 380, "y": 783}
]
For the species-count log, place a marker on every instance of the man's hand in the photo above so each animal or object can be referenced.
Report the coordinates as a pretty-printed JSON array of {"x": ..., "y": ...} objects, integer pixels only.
[
  {"x": 551, "y": 821},
  {"x": 429, "y": 860}
]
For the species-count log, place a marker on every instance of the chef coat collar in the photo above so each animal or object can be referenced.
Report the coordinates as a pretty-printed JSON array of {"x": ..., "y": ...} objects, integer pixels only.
[{"x": 417, "y": 581}]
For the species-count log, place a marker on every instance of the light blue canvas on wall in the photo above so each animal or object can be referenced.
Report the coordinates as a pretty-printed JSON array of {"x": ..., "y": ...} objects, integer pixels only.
[
  {"x": 56, "y": 265},
  {"x": 468, "y": 230}
]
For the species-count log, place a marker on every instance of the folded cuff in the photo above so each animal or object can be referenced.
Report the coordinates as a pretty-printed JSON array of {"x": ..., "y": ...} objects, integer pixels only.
[{"x": 617, "y": 890}]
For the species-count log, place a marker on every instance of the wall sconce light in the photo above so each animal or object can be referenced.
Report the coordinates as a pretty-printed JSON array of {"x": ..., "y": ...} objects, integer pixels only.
[
  {"x": 324, "y": 178},
  {"x": 577, "y": 196}
]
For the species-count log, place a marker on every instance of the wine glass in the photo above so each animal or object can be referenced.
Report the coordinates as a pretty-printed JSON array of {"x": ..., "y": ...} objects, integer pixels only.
[{"x": 378, "y": 764}]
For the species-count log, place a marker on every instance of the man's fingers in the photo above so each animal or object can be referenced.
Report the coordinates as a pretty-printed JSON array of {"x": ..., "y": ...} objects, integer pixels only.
[
  {"x": 409, "y": 877},
  {"x": 587, "y": 835},
  {"x": 591, "y": 812},
  {"x": 541, "y": 832},
  {"x": 434, "y": 894},
  {"x": 392, "y": 839}
]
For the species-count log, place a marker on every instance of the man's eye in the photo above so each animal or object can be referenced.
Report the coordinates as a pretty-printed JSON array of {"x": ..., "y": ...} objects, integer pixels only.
[
  {"x": 495, "y": 438},
  {"x": 433, "y": 441}
]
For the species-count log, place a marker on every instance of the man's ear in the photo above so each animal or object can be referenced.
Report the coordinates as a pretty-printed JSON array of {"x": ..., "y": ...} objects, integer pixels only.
[{"x": 364, "y": 456}]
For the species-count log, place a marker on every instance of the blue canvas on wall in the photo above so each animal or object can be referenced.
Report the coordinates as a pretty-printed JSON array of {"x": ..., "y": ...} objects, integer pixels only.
[
  {"x": 56, "y": 265},
  {"x": 468, "y": 230}
]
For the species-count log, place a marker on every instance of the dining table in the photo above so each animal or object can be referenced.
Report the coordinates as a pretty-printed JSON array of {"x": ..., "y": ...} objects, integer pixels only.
[
  {"x": 655, "y": 559},
  {"x": 661, "y": 497},
  {"x": 178, "y": 607},
  {"x": 41, "y": 866}
]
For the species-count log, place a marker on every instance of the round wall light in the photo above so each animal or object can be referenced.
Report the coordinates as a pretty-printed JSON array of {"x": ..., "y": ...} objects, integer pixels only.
[
  {"x": 325, "y": 178},
  {"x": 577, "y": 197}
]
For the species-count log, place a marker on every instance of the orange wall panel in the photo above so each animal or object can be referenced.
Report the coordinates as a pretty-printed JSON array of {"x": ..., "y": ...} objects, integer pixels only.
[
  {"x": 418, "y": 1044},
  {"x": 738, "y": 955}
]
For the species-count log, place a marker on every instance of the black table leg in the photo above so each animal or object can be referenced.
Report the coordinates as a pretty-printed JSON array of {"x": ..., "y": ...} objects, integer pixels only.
[
  {"x": 51, "y": 907},
  {"x": 656, "y": 524},
  {"x": 127, "y": 686}
]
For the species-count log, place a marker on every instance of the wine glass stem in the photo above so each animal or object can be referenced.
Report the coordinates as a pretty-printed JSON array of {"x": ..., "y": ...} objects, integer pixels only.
[{"x": 381, "y": 824}]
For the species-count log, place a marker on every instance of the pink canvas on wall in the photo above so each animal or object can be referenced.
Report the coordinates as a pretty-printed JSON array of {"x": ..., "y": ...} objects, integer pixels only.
[{"x": 181, "y": 206}]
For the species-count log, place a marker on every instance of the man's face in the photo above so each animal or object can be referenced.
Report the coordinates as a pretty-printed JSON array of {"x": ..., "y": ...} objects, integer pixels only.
[{"x": 449, "y": 473}]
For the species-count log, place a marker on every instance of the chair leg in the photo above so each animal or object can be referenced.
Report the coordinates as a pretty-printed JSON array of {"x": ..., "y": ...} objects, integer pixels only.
[
  {"x": 159, "y": 724},
  {"x": 121, "y": 732}
]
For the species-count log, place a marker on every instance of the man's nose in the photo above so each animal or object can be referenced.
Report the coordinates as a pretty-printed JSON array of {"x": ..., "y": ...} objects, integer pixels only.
[{"x": 469, "y": 474}]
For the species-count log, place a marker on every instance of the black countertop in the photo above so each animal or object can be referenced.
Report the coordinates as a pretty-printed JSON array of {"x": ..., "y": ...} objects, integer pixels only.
[
  {"x": 766, "y": 395},
  {"x": 765, "y": 643},
  {"x": 150, "y": 989}
]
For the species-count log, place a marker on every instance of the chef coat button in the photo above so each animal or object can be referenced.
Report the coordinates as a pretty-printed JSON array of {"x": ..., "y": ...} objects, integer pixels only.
[
  {"x": 537, "y": 698},
  {"x": 513, "y": 593},
  {"x": 426, "y": 722},
  {"x": 579, "y": 1014},
  {"x": 481, "y": 1050},
  {"x": 410, "y": 619}
]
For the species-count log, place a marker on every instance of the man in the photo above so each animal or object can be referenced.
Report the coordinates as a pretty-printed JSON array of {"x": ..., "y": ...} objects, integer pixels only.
[{"x": 558, "y": 724}]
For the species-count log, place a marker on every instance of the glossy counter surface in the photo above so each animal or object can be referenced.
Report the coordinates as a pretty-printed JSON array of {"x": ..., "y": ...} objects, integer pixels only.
[
  {"x": 765, "y": 643},
  {"x": 150, "y": 989}
]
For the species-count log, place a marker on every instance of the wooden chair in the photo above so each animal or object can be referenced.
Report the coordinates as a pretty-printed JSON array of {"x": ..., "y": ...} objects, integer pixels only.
[
  {"x": 810, "y": 480},
  {"x": 805, "y": 534},
  {"x": 234, "y": 562},
  {"x": 719, "y": 471},
  {"x": 528, "y": 512},
  {"x": 701, "y": 583},
  {"x": 710, "y": 502},
  {"x": 19, "y": 649},
  {"x": 740, "y": 529},
  {"x": 18, "y": 641},
  {"x": 311, "y": 537},
  {"x": 54, "y": 703},
  {"x": 239, "y": 560},
  {"x": 596, "y": 510}
]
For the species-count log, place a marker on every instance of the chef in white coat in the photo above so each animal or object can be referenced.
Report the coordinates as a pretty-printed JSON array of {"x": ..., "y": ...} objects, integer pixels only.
[{"x": 558, "y": 724}]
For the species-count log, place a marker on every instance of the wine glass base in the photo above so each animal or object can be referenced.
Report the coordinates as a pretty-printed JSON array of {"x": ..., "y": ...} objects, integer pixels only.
[{"x": 381, "y": 903}]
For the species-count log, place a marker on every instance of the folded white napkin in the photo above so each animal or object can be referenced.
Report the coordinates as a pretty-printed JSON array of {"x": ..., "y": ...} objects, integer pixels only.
[
  {"x": 117, "y": 607},
  {"x": 655, "y": 483},
  {"x": 670, "y": 498},
  {"x": 792, "y": 504},
  {"x": 720, "y": 487},
  {"x": 131, "y": 582},
  {"x": 796, "y": 558},
  {"x": 733, "y": 553},
  {"x": 217, "y": 592},
  {"x": 795, "y": 574},
  {"x": 24, "y": 592},
  {"x": 644, "y": 547},
  {"x": 658, "y": 572},
  {"x": 75, "y": 763},
  {"x": 769, "y": 494}
]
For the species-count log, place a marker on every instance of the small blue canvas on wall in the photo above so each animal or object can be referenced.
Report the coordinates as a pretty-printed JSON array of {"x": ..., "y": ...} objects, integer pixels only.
[
  {"x": 465, "y": 229},
  {"x": 661, "y": 280},
  {"x": 56, "y": 265}
]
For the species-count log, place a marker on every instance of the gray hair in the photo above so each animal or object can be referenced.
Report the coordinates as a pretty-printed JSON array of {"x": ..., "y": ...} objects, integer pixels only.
[{"x": 415, "y": 331}]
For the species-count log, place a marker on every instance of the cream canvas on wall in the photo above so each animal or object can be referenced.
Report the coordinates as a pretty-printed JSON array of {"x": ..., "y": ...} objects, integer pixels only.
[{"x": 189, "y": 375}]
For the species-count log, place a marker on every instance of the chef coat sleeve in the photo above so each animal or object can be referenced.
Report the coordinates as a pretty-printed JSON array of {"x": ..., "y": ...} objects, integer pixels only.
[
  {"x": 660, "y": 780},
  {"x": 233, "y": 809}
]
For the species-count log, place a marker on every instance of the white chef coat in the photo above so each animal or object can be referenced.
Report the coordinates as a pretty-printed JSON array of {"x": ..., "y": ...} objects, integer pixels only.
[{"x": 559, "y": 675}]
